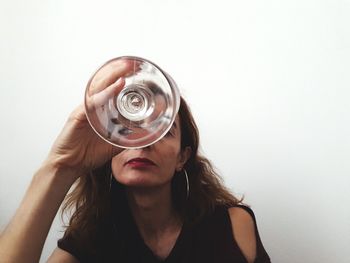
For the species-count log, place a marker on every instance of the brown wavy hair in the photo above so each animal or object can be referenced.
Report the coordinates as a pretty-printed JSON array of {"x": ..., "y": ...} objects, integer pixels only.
[{"x": 90, "y": 203}]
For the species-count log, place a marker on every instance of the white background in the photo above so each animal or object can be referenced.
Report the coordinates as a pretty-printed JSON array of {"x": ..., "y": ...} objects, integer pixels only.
[{"x": 268, "y": 82}]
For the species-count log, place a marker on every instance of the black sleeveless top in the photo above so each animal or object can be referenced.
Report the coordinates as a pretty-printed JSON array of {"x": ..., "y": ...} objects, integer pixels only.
[{"x": 211, "y": 240}]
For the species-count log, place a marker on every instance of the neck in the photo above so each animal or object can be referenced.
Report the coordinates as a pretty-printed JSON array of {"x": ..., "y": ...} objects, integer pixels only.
[{"x": 152, "y": 209}]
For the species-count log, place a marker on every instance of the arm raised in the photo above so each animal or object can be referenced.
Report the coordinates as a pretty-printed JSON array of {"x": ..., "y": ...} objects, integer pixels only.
[
  {"x": 24, "y": 237},
  {"x": 76, "y": 151}
]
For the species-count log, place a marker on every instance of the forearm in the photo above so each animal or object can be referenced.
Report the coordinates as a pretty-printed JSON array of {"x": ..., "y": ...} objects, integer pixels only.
[{"x": 24, "y": 237}]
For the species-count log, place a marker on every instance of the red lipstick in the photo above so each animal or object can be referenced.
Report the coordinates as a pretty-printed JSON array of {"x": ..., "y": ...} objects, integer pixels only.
[{"x": 140, "y": 163}]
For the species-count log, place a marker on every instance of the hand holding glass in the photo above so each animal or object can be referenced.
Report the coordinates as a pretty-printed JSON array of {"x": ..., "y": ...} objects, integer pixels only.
[{"x": 130, "y": 102}]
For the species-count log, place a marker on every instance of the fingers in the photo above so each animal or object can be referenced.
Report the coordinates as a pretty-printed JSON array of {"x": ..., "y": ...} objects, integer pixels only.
[
  {"x": 123, "y": 67},
  {"x": 111, "y": 72},
  {"x": 102, "y": 97},
  {"x": 78, "y": 113}
]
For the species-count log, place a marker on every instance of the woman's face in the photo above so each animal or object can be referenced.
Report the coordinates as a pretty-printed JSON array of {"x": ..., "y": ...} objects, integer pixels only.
[{"x": 154, "y": 165}]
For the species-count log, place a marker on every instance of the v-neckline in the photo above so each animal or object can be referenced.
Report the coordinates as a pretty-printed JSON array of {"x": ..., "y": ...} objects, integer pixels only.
[
  {"x": 173, "y": 252},
  {"x": 125, "y": 225}
]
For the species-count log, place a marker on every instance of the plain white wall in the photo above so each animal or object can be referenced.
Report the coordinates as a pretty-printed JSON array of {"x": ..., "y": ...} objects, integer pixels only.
[{"x": 268, "y": 82}]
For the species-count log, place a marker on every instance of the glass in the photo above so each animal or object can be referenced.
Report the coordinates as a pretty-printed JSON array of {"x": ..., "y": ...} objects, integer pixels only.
[{"x": 130, "y": 102}]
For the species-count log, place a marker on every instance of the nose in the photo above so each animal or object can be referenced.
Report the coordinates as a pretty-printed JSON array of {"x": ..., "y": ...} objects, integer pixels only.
[{"x": 148, "y": 148}]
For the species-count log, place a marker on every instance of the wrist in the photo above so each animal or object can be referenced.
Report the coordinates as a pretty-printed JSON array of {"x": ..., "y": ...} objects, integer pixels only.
[{"x": 65, "y": 176}]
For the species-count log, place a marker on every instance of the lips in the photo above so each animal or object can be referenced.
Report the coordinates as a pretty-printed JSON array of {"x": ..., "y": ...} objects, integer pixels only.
[{"x": 139, "y": 162}]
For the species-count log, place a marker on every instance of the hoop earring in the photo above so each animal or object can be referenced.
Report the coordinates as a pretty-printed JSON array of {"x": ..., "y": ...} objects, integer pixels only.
[
  {"x": 187, "y": 184},
  {"x": 110, "y": 182}
]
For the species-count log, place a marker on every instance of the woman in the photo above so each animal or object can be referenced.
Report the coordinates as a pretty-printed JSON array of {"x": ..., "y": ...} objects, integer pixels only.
[{"x": 162, "y": 203}]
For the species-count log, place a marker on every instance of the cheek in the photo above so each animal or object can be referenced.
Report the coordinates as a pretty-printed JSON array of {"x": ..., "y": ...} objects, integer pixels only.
[
  {"x": 117, "y": 164},
  {"x": 170, "y": 158},
  {"x": 119, "y": 172}
]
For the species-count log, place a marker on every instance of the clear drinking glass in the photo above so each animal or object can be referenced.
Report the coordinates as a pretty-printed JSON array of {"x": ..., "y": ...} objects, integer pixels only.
[{"x": 130, "y": 102}]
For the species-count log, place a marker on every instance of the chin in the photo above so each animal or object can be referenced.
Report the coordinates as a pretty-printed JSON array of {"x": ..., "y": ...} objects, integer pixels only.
[{"x": 137, "y": 181}]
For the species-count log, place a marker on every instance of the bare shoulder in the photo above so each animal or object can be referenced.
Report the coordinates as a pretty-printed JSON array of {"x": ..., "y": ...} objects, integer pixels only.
[
  {"x": 243, "y": 228},
  {"x": 61, "y": 256}
]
